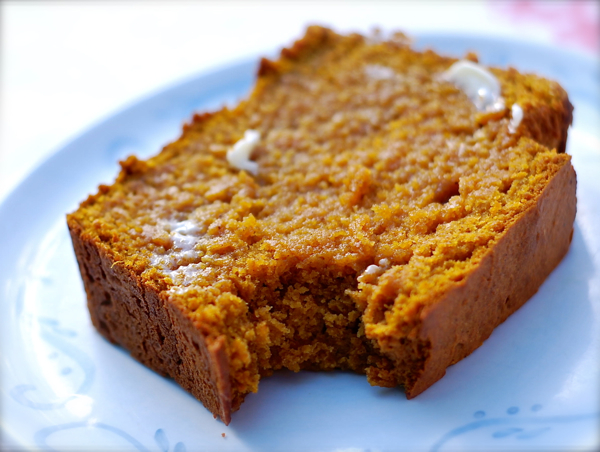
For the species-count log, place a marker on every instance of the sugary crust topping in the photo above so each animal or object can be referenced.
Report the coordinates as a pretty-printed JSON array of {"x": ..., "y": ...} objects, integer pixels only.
[
  {"x": 516, "y": 118},
  {"x": 379, "y": 72},
  {"x": 239, "y": 155},
  {"x": 479, "y": 84}
]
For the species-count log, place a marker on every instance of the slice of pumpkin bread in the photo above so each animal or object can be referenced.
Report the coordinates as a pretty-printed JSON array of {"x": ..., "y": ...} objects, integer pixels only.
[{"x": 368, "y": 207}]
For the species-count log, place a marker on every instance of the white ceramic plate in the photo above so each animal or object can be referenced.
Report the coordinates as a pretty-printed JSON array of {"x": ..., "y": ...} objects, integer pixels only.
[{"x": 534, "y": 385}]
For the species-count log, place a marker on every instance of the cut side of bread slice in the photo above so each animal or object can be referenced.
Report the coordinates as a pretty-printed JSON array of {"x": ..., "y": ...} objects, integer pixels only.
[{"x": 367, "y": 207}]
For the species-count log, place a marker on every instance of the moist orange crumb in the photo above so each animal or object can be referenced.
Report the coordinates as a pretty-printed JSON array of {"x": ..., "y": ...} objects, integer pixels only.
[{"x": 388, "y": 228}]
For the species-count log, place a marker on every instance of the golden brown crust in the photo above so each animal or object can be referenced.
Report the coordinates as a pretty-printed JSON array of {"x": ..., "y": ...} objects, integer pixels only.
[
  {"x": 507, "y": 276},
  {"x": 205, "y": 372},
  {"x": 156, "y": 332}
]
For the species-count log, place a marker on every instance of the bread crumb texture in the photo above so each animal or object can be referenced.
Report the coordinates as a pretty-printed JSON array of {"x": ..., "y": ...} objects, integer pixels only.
[{"x": 379, "y": 189}]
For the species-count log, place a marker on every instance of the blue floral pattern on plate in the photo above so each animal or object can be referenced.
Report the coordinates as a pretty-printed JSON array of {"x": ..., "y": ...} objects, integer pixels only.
[
  {"x": 56, "y": 336},
  {"x": 521, "y": 428}
]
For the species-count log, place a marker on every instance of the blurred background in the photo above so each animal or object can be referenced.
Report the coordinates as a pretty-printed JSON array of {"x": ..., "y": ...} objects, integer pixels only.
[{"x": 65, "y": 65}]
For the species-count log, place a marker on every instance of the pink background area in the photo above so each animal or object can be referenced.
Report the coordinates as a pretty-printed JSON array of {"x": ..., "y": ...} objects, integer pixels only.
[{"x": 572, "y": 23}]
